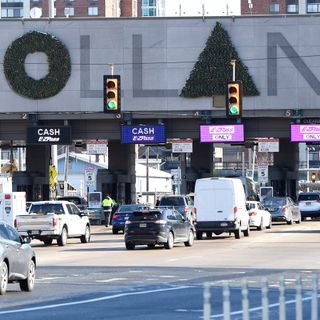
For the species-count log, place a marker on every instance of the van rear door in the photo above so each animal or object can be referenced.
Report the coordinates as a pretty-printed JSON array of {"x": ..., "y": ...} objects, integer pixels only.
[{"x": 215, "y": 202}]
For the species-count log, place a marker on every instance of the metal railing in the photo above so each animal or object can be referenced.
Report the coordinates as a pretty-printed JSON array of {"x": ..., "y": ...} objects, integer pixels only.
[{"x": 301, "y": 295}]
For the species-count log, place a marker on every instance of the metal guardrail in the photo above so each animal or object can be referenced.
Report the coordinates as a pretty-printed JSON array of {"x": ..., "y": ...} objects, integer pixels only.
[{"x": 265, "y": 302}]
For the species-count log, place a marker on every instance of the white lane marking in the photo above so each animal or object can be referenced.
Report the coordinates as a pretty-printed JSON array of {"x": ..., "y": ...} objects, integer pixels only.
[
  {"x": 119, "y": 295},
  {"x": 49, "y": 278},
  {"x": 185, "y": 258},
  {"x": 168, "y": 276},
  {"x": 112, "y": 279}
]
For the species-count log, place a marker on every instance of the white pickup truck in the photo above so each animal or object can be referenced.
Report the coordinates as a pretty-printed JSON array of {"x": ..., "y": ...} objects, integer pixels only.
[{"x": 48, "y": 220}]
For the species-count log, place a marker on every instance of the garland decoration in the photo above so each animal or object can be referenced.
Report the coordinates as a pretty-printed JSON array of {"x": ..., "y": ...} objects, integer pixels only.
[
  {"x": 213, "y": 70},
  {"x": 59, "y": 63}
]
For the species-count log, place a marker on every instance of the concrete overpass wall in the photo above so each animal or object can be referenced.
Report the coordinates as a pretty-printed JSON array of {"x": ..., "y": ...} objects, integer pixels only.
[{"x": 155, "y": 57}]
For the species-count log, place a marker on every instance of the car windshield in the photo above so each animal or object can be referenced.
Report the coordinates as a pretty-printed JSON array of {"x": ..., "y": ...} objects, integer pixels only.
[
  {"x": 274, "y": 202},
  {"x": 74, "y": 200},
  {"x": 46, "y": 208},
  {"x": 172, "y": 201},
  {"x": 250, "y": 206},
  {"x": 128, "y": 207},
  {"x": 310, "y": 197},
  {"x": 151, "y": 216}
]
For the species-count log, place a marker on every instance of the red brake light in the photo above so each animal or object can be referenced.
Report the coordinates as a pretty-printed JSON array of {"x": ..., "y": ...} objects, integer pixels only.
[
  {"x": 116, "y": 216},
  {"x": 235, "y": 210},
  {"x": 7, "y": 196},
  {"x": 252, "y": 213},
  {"x": 318, "y": 200},
  {"x": 285, "y": 208},
  {"x": 15, "y": 223},
  {"x": 186, "y": 209},
  {"x": 54, "y": 221}
]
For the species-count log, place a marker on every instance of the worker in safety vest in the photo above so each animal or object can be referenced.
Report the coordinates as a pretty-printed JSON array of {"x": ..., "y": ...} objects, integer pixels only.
[{"x": 107, "y": 204}]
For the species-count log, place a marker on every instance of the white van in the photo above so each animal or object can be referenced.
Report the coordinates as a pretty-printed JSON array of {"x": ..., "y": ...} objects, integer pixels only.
[{"x": 220, "y": 206}]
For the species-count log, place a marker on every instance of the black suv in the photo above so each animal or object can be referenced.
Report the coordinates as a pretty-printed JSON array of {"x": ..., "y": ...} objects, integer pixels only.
[
  {"x": 80, "y": 202},
  {"x": 158, "y": 226},
  {"x": 182, "y": 203}
]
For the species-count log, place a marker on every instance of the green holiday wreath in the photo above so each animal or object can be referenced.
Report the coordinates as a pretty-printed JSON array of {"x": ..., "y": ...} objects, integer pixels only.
[{"x": 58, "y": 60}]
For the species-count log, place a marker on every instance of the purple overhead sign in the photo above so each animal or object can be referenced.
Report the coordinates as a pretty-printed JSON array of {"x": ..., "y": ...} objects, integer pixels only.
[
  {"x": 305, "y": 133},
  {"x": 222, "y": 133}
]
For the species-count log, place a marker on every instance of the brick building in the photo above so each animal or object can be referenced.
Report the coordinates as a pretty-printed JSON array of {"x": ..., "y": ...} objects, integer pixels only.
[{"x": 280, "y": 6}]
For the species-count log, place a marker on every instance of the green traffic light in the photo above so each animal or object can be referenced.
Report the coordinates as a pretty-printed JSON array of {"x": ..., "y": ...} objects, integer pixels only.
[
  {"x": 112, "y": 105},
  {"x": 234, "y": 109}
]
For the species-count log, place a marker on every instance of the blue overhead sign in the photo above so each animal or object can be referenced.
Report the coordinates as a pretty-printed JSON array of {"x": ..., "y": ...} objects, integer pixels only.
[{"x": 151, "y": 134}]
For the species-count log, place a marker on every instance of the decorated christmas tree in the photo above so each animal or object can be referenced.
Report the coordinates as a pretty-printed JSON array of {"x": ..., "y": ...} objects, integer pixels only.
[{"x": 213, "y": 70}]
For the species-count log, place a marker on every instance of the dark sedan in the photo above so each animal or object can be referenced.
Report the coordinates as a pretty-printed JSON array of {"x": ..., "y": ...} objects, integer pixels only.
[
  {"x": 283, "y": 209},
  {"x": 123, "y": 213},
  {"x": 17, "y": 260},
  {"x": 158, "y": 226}
]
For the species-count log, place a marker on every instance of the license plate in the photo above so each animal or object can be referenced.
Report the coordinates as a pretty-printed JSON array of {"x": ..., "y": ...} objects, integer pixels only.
[
  {"x": 223, "y": 224},
  {"x": 308, "y": 203},
  {"x": 142, "y": 225}
]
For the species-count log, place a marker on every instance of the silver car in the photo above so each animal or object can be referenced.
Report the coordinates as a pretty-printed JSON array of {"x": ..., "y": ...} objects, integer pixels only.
[
  {"x": 17, "y": 260},
  {"x": 283, "y": 209}
]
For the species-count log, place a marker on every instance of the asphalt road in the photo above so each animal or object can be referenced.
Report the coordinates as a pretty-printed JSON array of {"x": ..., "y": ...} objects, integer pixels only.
[{"x": 102, "y": 280}]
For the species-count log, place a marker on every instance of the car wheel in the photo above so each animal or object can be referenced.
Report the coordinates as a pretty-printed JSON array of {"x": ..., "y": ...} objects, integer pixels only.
[
  {"x": 28, "y": 283},
  {"x": 151, "y": 245},
  {"x": 189, "y": 242},
  {"x": 209, "y": 234},
  {"x": 246, "y": 232},
  {"x": 130, "y": 245},
  {"x": 270, "y": 224},
  {"x": 260, "y": 227},
  {"x": 170, "y": 241},
  {"x": 63, "y": 239},
  {"x": 237, "y": 233},
  {"x": 48, "y": 242},
  {"x": 199, "y": 235},
  {"x": 115, "y": 231},
  {"x": 86, "y": 237},
  {"x": 4, "y": 277}
]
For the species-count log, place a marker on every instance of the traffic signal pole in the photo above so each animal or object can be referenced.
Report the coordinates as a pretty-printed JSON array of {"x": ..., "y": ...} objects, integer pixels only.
[{"x": 233, "y": 63}]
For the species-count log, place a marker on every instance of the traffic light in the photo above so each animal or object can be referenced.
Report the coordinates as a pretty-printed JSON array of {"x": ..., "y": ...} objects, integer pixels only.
[
  {"x": 234, "y": 99},
  {"x": 112, "y": 98},
  {"x": 314, "y": 176}
]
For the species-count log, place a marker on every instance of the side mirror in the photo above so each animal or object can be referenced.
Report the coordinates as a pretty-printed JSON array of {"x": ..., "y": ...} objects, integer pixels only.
[
  {"x": 83, "y": 213},
  {"x": 25, "y": 240}
]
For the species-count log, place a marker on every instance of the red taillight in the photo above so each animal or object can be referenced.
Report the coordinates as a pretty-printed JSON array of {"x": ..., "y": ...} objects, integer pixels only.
[
  {"x": 285, "y": 208},
  {"x": 128, "y": 222},
  {"x": 318, "y": 200},
  {"x": 15, "y": 223},
  {"x": 186, "y": 209},
  {"x": 252, "y": 213},
  {"x": 7, "y": 196},
  {"x": 235, "y": 210},
  {"x": 115, "y": 216},
  {"x": 54, "y": 221},
  {"x": 195, "y": 214}
]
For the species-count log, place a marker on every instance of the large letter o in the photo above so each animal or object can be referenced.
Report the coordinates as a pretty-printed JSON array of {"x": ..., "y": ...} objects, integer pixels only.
[{"x": 58, "y": 60}]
